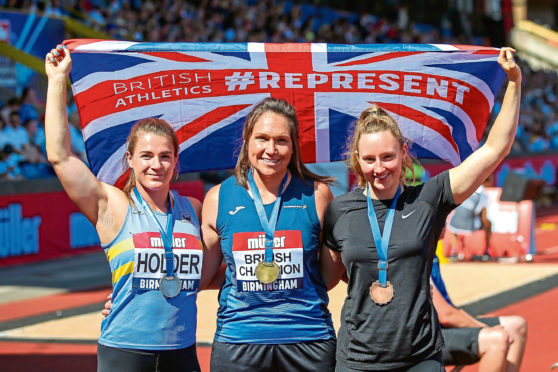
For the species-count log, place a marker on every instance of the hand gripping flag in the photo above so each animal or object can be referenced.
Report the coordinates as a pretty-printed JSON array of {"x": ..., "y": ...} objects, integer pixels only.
[{"x": 441, "y": 95}]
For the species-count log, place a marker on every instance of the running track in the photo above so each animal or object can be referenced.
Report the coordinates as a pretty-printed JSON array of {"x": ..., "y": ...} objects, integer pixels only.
[{"x": 15, "y": 356}]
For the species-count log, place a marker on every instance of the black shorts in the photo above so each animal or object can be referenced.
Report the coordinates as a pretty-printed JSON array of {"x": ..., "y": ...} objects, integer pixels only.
[
  {"x": 112, "y": 359},
  {"x": 462, "y": 344},
  {"x": 432, "y": 364},
  {"x": 312, "y": 356}
]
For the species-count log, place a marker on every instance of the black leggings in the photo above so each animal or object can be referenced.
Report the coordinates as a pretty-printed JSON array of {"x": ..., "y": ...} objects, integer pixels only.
[
  {"x": 111, "y": 359},
  {"x": 432, "y": 364}
]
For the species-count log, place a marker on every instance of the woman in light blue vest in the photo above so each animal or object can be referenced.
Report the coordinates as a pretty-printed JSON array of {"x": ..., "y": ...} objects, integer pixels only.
[{"x": 151, "y": 238}]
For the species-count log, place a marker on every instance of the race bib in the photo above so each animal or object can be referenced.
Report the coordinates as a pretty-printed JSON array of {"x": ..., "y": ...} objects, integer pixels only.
[
  {"x": 288, "y": 253},
  {"x": 150, "y": 265}
]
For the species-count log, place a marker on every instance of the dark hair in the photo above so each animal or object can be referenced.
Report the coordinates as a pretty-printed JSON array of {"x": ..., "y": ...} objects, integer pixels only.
[
  {"x": 154, "y": 126},
  {"x": 29, "y": 121},
  {"x": 373, "y": 120},
  {"x": 296, "y": 166}
]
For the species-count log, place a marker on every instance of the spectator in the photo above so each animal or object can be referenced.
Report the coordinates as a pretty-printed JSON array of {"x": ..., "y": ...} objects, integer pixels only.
[
  {"x": 29, "y": 150},
  {"x": 30, "y": 105},
  {"x": 12, "y": 105},
  {"x": 497, "y": 343},
  {"x": 469, "y": 217},
  {"x": 12, "y": 161},
  {"x": 36, "y": 134},
  {"x": 14, "y": 133}
]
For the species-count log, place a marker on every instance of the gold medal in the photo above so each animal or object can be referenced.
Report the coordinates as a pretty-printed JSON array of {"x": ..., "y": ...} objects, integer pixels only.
[
  {"x": 267, "y": 272},
  {"x": 381, "y": 295}
]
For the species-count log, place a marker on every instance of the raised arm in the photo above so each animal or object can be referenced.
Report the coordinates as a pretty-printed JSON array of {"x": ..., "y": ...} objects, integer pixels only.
[
  {"x": 467, "y": 177},
  {"x": 211, "y": 277},
  {"x": 89, "y": 194}
]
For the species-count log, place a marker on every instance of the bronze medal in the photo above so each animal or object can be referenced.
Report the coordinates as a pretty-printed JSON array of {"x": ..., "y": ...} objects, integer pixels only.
[
  {"x": 381, "y": 295},
  {"x": 267, "y": 272}
]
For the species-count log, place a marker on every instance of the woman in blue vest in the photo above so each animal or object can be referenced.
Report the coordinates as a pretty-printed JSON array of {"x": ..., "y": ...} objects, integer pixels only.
[
  {"x": 384, "y": 234},
  {"x": 151, "y": 238},
  {"x": 265, "y": 222}
]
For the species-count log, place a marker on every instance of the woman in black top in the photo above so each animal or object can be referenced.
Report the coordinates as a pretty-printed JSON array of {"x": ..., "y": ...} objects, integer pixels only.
[{"x": 388, "y": 321}]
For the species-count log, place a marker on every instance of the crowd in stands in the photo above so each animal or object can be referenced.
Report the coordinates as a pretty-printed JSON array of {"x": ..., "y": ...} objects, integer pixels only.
[
  {"x": 251, "y": 20},
  {"x": 22, "y": 138}
]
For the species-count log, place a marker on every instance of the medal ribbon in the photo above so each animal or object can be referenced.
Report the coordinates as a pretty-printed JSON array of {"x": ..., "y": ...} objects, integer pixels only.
[
  {"x": 166, "y": 236},
  {"x": 382, "y": 241},
  {"x": 267, "y": 225}
]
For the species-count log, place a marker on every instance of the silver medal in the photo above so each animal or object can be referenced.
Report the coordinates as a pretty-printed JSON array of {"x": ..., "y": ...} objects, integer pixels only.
[{"x": 170, "y": 286}]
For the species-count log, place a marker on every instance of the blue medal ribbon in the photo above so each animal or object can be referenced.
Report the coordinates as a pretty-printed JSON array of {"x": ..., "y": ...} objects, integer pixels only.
[
  {"x": 166, "y": 236},
  {"x": 381, "y": 241},
  {"x": 267, "y": 225}
]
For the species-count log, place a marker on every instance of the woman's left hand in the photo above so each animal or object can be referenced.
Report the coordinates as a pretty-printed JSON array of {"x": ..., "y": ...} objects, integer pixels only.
[{"x": 506, "y": 60}]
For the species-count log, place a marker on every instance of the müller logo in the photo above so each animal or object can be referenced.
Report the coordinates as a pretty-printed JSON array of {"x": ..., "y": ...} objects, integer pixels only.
[
  {"x": 18, "y": 236},
  {"x": 259, "y": 242}
]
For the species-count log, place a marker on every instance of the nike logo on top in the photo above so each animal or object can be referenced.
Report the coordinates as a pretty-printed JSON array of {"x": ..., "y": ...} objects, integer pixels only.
[
  {"x": 403, "y": 216},
  {"x": 232, "y": 213}
]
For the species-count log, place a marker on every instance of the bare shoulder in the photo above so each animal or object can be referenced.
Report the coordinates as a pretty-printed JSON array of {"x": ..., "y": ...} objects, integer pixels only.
[
  {"x": 196, "y": 204},
  {"x": 323, "y": 192},
  {"x": 323, "y": 196},
  {"x": 212, "y": 196}
]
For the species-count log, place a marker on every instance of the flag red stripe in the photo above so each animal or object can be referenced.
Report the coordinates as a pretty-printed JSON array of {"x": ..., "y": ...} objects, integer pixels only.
[
  {"x": 422, "y": 118},
  {"x": 194, "y": 127},
  {"x": 72, "y": 44}
]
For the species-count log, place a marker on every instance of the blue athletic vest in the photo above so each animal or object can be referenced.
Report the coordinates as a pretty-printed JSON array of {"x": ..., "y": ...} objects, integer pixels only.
[
  {"x": 294, "y": 307},
  {"x": 141, "y": 317},
  {"x": 437, "y": 280}
]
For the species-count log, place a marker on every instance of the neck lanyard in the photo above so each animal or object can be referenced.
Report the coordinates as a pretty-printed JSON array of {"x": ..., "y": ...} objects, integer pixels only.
[
  {"x": 166, "y": 235},
  {"x": 381, "y": 241},
  {"x": 267, "y": 225}
]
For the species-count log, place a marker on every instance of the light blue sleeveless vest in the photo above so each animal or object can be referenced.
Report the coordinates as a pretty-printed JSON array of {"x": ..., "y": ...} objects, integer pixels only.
[{"x": 141, "y": 317}]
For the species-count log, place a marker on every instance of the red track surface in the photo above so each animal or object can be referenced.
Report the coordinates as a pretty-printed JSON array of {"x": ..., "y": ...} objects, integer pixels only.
[
  {"x": 542, "y": 344},
  {"x": 539, "y": 310},
  {"x": 40, "y": 357},
  {"x": 47, "y": 304}
]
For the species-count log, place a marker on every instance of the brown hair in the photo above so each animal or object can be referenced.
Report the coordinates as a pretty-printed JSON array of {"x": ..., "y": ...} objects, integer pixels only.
[
  {"x": 153, "y": 126},
  {"x": 296, "y": 166},
  {"x": 373, "y": 120}
]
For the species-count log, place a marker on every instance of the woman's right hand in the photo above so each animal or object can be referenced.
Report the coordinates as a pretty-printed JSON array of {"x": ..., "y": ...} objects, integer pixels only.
[
  {"x": 58, "y": 62},
  {"x": 108, "y": 305}
]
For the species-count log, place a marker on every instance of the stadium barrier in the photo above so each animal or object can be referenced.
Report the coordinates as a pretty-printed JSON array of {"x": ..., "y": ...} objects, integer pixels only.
[{"x": 37, "y": 226}]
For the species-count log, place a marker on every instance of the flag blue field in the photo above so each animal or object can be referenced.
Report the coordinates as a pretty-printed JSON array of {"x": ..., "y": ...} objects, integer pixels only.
[{"x": 441, "y": 95}]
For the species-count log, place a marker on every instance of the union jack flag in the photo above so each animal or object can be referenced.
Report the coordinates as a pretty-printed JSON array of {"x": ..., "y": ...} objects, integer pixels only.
[{"x": 441, "y": 95}]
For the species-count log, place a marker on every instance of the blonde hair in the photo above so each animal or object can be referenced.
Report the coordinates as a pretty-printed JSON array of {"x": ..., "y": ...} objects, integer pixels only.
[
  {"x": 296, "y": 165},
  {"x": 148, "y": 126},
  {"x": 373, "y": 120}
]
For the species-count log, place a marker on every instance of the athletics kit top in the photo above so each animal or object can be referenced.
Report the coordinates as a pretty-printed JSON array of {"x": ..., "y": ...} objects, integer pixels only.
[
  {"x": 293, "y": 308},
  {"x": 141, "y": 317}
]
